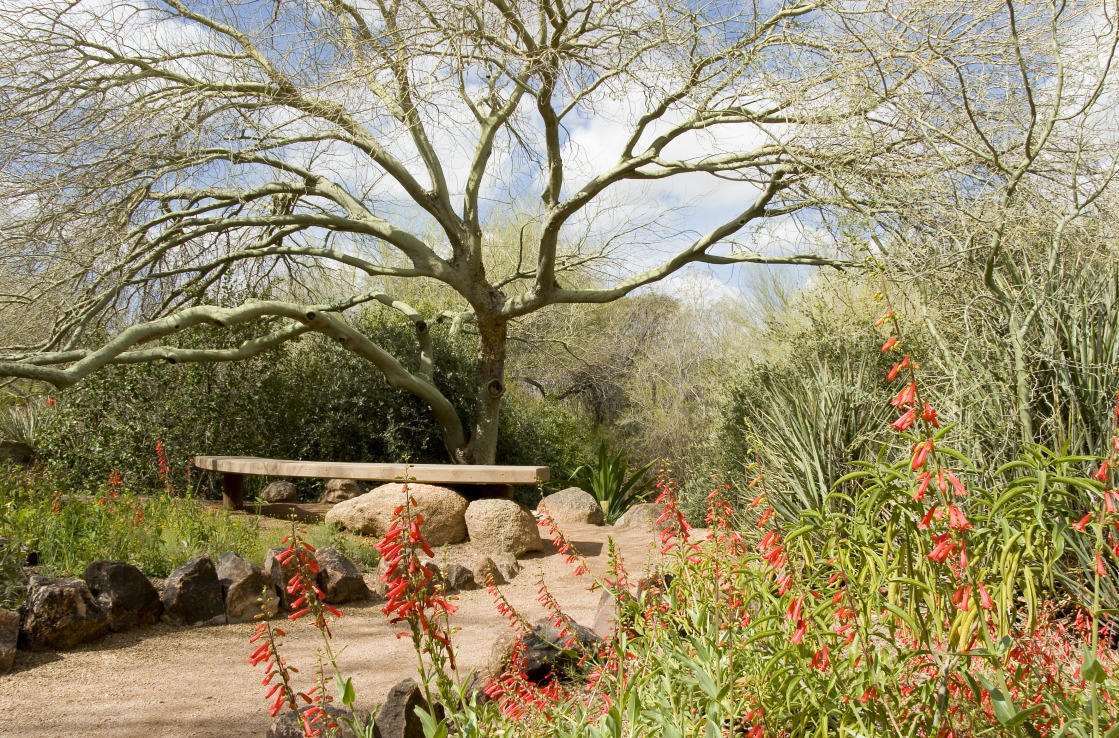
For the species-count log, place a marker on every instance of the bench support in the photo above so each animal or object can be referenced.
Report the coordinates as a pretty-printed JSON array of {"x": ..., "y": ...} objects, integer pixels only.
[{"x": 233, "y": 490}]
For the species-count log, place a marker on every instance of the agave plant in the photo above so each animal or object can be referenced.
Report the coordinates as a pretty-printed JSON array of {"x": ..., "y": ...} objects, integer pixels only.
[
  {"x": 23, "y": 422},
  {"x": 607, "y": 479}
]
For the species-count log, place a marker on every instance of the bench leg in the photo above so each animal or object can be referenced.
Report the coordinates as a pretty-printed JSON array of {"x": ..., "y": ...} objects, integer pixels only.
[{"x": 233, "y": 490}]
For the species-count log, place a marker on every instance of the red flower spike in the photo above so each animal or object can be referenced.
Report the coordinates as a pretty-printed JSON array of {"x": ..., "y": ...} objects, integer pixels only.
[{"x": 890, "y": 343}]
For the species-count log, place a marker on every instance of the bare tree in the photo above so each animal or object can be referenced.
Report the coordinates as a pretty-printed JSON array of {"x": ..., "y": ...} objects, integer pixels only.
[{"x": 157, "y": 153}]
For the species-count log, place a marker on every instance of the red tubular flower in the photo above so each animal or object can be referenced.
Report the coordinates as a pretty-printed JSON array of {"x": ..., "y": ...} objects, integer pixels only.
[
  {"x": 927, "y": 519},
  {"x": 820, "y": 660},
  {"x": 962, "y": 598},
  {"x": 903, "y": 423},
  {"x": 985, "y": 599},
  {"x": 921, "y": 455},
  {"x": 906, "y": 396},
  {"x": 956, "y": 519},
  {"x": 796, "y": 609},
  {"x": 928, "y": 414},
  {"x": 944, "y": 548},
  {"x": 923, "y": 480},
  {"x": 958, "y": 486},
  {"x": 784, "y": 582},
  {"x": 890, "y": 343},
  {"x": 1101, "y": 473},
  {"x": 1101, "y": 570},
  {"x": 1082, "y": 524},
  {"x": 798, "y": 634}
]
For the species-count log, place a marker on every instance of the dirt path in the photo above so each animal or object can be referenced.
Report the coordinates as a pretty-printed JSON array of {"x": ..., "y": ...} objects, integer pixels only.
[{"x": 167, "y": 682}]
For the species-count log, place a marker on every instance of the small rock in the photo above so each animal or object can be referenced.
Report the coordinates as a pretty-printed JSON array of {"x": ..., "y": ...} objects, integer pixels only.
[
  {"x": 192, "y": 595},
  {"x": 443, "y": 511},
  {"x": 507, "y": 565},
  {"x": 339, "y": 490},
  {"x": 397, "y": 717},
  {"x": 9, "y": 639},
  {"x": 126, "y": 594},
  {"x": 458, "y": 578},
  {"x": 290, "y": 725},
  {"x": 279, "y": 574},
  {"x": 573, "y": 505},
  {"x": 338, "y": 578},
  {"x": 502, "y": 526},
  {"x": 543, "y": 652},
  {"x": 60, "y": 614},
  {"x": 605, "y": 620},
  {"x": 643, "y": 513},
  {"x": 248, "y": 591},
  {"x": 16, "y": 452},
  {"x": 484, "y": 565},
  {"x": 280, "y": 492}
]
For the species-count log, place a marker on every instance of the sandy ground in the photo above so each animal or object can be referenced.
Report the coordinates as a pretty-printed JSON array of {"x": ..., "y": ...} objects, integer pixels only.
[{"x": 176, "y": 682}]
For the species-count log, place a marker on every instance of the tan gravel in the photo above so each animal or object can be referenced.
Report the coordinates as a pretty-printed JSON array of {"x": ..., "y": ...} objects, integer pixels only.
[{"x": 172, "y": 682}]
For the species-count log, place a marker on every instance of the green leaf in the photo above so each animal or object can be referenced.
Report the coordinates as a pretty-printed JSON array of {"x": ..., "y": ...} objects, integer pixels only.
[
  {"x": 1091, "y": 670},
  {"x": 345, "y": 690}
]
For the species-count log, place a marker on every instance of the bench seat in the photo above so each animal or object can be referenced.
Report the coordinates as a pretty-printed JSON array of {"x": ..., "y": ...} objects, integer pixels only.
[{"x": 234, "y": 469}]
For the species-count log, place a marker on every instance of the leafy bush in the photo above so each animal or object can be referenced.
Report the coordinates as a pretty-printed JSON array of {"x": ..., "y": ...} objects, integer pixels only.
[{"x": 309, "y": 400}]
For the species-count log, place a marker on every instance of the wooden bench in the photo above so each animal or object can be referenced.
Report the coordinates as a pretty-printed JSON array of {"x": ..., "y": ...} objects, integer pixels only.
[{"x": 235, "y": 468}]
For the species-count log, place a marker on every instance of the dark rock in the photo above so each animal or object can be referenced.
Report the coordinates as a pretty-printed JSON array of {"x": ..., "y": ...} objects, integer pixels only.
[
  {"x": 339, "y": 490},
  {"x": 338, "y": 578},
  {"x": 60, "y": 614},
  {"x": 126, "y": 594},
  {"x": 397, "y": 717},
  {"x": 290, "y": 725},
  {"x": 246, "y": 589},
  {"x": 279, "y": 574},
  {"x": 547, "y": 653},
  {"x": 9, "y": 639},
  {"x": 458, "y": 578},
  {"x": 192, "y": 595},
  {"x": 16, "y": 452},
  {"x": 280, "y": 492}
]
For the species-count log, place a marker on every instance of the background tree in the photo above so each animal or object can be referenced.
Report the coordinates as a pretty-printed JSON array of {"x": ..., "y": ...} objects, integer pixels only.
[{"x": 158, "y": 155}]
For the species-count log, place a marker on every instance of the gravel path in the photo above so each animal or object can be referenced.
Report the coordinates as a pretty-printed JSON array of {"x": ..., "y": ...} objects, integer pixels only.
[{"x": 171, "y": 682}]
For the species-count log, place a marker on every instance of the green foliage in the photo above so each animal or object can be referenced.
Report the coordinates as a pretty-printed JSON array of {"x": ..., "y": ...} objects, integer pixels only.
[
  {"x": 608, "y": 478},
  {"x": 155, "y": 532}
]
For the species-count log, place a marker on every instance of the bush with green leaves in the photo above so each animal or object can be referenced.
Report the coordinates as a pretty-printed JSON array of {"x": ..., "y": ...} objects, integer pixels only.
[{"x": 309, "y": 400}]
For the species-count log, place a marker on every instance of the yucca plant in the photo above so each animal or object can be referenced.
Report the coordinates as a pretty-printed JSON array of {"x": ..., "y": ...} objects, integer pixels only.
[
  {"x": 609, "y": 480},
  {"x": 24, "y": 422}
]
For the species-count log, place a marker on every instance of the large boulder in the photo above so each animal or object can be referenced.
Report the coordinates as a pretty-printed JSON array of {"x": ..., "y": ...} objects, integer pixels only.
[
  {"x": 192, "y": 595},
  {"x": 9, "y": 639},
  {"x": 339, "y": 490},
  {"x": 397, "y": 717},
  {"x": 280, "y": 492},
  {"x": 443, "y": 512},
  {"x": 338, "y": 578},
  {"x": 502, "y": 526},
  {"x": 61, "y": 614},
  {"x": 125, "y": 593},
  {"x": 573, "y": 505},
  {"x": 643, "y": 513},
  {"x": 247, "y": 590}
]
